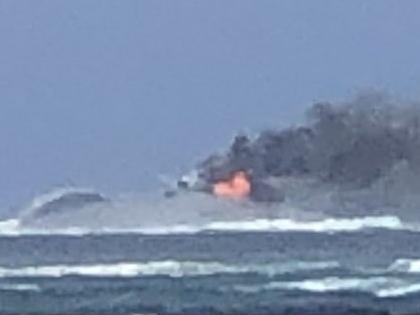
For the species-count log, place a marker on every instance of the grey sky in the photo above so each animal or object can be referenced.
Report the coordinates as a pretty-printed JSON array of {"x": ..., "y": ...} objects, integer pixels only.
[{"x": 109, "y": 94}]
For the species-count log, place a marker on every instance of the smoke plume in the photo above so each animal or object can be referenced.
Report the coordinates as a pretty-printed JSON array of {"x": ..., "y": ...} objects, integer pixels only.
[{"x": 371, "y": 143}]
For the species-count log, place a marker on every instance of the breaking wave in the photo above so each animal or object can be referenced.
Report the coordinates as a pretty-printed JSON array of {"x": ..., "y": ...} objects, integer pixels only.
[
  {"x": 386, "y": 285},
  {"x": 81, "y": 212},
  {"x": 61, "y": 201},
  {"x": 9, "y": 227},
  {"x": 406, "y": 265},
  {"x": 56, "y": 194},
  {"x": 329, "y": 225},
  {"x": 381, "y": 287},
  {"x": 19, "y": 287},
  {"x": 168, "y": 268}
]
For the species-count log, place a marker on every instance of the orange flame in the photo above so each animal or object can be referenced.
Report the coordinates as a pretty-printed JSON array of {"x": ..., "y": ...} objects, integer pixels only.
[{"x": 237, "y": 187}]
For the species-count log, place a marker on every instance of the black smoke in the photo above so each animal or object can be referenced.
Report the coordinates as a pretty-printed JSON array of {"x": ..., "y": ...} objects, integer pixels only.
[{"x": 350, "y": 146}]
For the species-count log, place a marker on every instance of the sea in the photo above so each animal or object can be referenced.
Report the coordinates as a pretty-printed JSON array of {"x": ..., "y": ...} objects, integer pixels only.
[{"x": 364, "y": 265}]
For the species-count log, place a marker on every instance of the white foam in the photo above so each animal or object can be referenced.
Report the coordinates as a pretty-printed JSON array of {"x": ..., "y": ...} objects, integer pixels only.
[
  {"x": 331, "y": 284},
  {"x": 406, "y": 265},
  {"x": 327, "y": 225},
  {"x": 330, "y": 225},
  {"x": 169, "y": 267},
  {"x": 13, "y": 227},
  {"x": 382, "y": 287},
  {"x": 9, "y": 227},
  {"x": 400, "y": 290},
  {"x": 19, "y": 287}
]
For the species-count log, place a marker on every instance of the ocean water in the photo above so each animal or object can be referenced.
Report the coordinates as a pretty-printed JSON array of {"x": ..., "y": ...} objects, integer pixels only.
[
  {"x": 195, "y": 254},
  {"x": 349, "y": 266}
]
